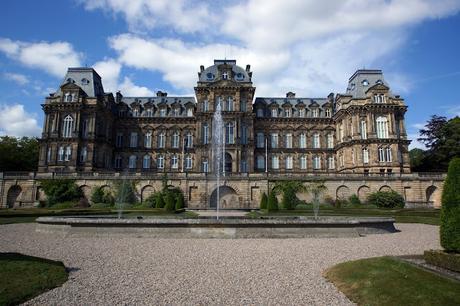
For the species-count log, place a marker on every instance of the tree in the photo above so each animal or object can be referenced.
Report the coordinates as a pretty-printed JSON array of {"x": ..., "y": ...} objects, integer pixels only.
[
  {"x": 159, "y": 203},
  {"x": 169, "y": 201},
  {"x": 442, "y": 139},
  {"x": 18, "y": 154},
  {"x": 125, "y": 192},
  {"x": 98, "y": 195},
  {"x": 288, "y": 189},
  {"x": 179, "y": 201},
  {"x": 263, "y": 201},
  {"x": 450, "y": 210},
  {"x": 60, "y": 190},
  {"x": 272, "y": 204}
]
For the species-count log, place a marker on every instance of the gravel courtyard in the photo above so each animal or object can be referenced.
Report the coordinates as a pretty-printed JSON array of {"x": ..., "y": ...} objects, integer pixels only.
[{"x": 205, "y": 271}]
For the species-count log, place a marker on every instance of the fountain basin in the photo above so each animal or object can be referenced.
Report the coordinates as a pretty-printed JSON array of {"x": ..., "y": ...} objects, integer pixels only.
[{"x": 299, "y": 227}]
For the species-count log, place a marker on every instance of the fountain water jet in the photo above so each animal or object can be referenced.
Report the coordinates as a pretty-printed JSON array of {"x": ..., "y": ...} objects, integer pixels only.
[{"x": 218, "y": 149}]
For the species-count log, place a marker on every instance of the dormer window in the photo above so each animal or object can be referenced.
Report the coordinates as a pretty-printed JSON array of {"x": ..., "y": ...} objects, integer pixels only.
[
  {"x": 70, "y": 80},
  {"x": 379, "y": 98},
  {"x": 380, "y": 82},
  {"x": 352, "y": 86},
  {"x": 287, "y": 112},
  {"x": 365, "y": 82},
  {"x": 149, "y": 112},
  {"x": 327, "y": 112},
  {"x": 315, "y": 113},
  {"x": 189, "y": 112},
  {"x": 163, "y": 112},
  {"x": 67, "y": 97},
  {"x": 224, "y": 75},
  {"x": 274, "y": 112},
  {"x": 209, "y": 76},
  {"x": 84, "y": 81},
  {"x": 239, "y": 76},
  {"x": 302, "y": 112},
  {"x": 260, "y": 112},
  {"x": 176, "y": 112},
  {"x": 74, "y": 97},
  {"x": 136, "y": 112}
]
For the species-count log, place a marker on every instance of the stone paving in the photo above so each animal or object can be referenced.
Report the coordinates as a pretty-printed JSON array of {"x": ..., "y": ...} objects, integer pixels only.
[{"x": 146, "y": 271}]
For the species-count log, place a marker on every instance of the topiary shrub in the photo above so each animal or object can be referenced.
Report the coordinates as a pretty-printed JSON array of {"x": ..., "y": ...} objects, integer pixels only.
[
  {"x": 64, "y": 205},
  {"x": 289, "y": 199},
  {"x": 450, "y": 209},
  {"x": 125, "y": 192},
  {"x": 272, "y": 203},
  {"x": 386, "y": 199},
  {"x": 97, "y": 195},
  {"x": 179, "y": 201},
  {"x": 263, "y": 201},
  {"x": 60, "y": 190},
  {"x": 150, "y": 201},
  {"x": 354, "y": 200},
  {"x": 169, "y": 201},
  {"x": 159, "y": 202},
  {"x": 303, "y": 207}
]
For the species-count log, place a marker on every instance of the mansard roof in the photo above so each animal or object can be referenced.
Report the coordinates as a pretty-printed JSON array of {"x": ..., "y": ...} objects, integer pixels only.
[
  {"x": 362, "y": 80},
  {"x": 155, "y": 101},
  {"x": 85, "y": 78},
  {"x": 293, "y": 101},
  {"x": 212, "y": 74}
]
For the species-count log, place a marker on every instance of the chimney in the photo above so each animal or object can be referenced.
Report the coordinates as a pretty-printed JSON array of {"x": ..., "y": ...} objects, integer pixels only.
[
  {"x": 248, "y": 68},
  {"x": 161, "y": 94},
  {"x": 118, "y": 96},
  {"x": 290, "y": 94},
  {"x": 201, "y": 68}
]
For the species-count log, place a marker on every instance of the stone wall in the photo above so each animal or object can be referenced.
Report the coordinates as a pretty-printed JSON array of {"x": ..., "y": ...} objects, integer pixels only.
[{"x": 240, "y": 191}]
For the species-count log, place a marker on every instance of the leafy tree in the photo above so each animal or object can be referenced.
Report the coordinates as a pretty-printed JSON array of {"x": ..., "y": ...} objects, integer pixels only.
[
  {"x": 263, "y": 201},
  {"x": 179, "y": 201},
  {"x": 272, "y": 204},
  {"x": 159, "y": 203},
  {"x": 97, "y": 195},
  {"x": 450, "y": 210},
  {"x": 60, "y": 190},
  {"x": 18, "y": 154},
  {"x": 288, "y": 189},
  {"x": 416, "y": 159}
]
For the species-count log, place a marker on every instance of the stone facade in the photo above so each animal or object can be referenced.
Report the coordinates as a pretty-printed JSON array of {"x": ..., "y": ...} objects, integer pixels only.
[{"x": 356, "y": 141}]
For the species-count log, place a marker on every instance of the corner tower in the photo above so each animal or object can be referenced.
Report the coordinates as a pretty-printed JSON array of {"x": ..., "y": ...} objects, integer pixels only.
[{"x": 231, "y": 86}]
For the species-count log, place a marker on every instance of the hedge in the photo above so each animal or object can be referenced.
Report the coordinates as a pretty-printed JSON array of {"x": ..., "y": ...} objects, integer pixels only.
[{"x": 450, "y": 209}]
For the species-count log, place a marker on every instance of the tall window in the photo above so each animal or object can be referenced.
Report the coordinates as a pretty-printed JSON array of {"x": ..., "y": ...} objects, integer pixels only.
[
  {"x": 302, "y": 112},
  {"x": 274, "y": 140},
  {"x": 160, "y": 162},
  {"x": 316, "y": 143},
  {"x": 260, "y": 112},
  {"x": 327, "y": 112},
  {"x": 83, "y": 154},
  {"x": 132, "y": 162},
  {"x": 119, "y": 140},
  {"x": 353, "y": 156},
  {"x": 67, "y": 127},
  {"x": 174, "y": 162},
  {"x": 260, "y": 162},
  {"x": 315, "y": 113},
  {"x": 287, "y": 112},
  {"x": 260, "y": 140},
  {"x": 274, "y": 112},
  {"x": 163, "y": 112},
  {"x": 175, "y": 140},
  {"x": 330, "y": 141},
  {"x": 68, "y": 153},
  {"x": 84, "y": 128},
  {"x": 205, "y": 166},
  {"x": 148, "y": 140},
  {"x": 244, "y": 166},
  {"x": 205, "y": 133},
  {"x": 363, "y": 129},
  {"x": 230, "y": 133},
  {"x": 149, "y": 112},
  {"x": 136, "y": 112},
  {"x": 288, "y": 142},
  {"x": 388, "y": 154},
  {"x": 176, "y": 111},
  {"x": 382, "y": 127},
  {"x": 316, "y": 162},
  {"x": 303, "y": 162},
  {"x": 161, "y": 140},
  {"x": 244, "y": 134},
  {"x": 188, "y": 162},
  {"x": 146, "y": 162},
  {"x": 365, "y": 156},
  {"x": 133, "y": 140},
  {"x": 303, "y": 141},
  {"x": 289, "y": 163},
  {"x": 275, "y": 162},
  {"x": 189, "y": 112},
  {"x": 330, "y": 162},
  {"x": 229, "y": 106},
  {"x": 381, "y": 155},
  {"x": 189, "y": 140},
  {"x": 67, "y": 97},
  {"x": 118, "y": 161},
  {"x": 243, "y": 106},
  {"x": 48, "y": 155},
  {"x": 61, "y": 154},
  {"x": 379, "y": 98},
  {"x": 205, "y": 105}
]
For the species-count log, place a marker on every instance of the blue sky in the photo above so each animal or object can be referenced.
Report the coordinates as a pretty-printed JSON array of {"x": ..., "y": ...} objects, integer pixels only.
[{"x": 309, "y": 47}]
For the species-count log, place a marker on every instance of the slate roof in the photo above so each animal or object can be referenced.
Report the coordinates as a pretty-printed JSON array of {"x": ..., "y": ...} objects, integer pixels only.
[
  {"x": 86, "y": 78},
  {"x": 292, "y": 101},
  {"x": 211, "y": 74},
  {"x": 157, "y": 100},
  {"x": 357, "y": 83}
]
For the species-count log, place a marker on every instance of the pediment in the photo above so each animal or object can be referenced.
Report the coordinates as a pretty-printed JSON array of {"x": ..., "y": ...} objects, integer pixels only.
[{"x": 379, "y": 87}]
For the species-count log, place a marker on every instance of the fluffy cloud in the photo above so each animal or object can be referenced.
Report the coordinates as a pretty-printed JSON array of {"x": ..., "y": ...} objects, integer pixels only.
[
  {"x": 183, "y": 16},
  {"x": 54, "y": 57},
  {"x": 16, "y": 77},
  {"x": 15, "y": 121},
  {"x": 128, "y": 88}
]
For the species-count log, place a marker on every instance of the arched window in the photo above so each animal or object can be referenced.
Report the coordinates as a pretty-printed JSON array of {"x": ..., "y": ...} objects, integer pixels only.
[
  {"x": 67, "y": 127},
  {"x": 381, "y": 155},
  {"x": 189, "y": 140},
  {"x": 68, "y": 153},
  {"x": 118, "y": 161},
  {"x": 132, "y": 162},
  {"x": 316, "y": 162},
  {"x": 382, "y": 127},
  {"x": 175, "y": 140},
  {"x": 303, "y": 162},
  {"x": 274, "y": 112},
  {"x": 148, "y": 140},
  {"x": 303, "y": 141},
  {"x": 67, "y": 97},
  {"x": 389, "y": 157},
  {"x": 316, "y": 143},
  {"x": 161, "y": 140},
  {"x": 289, "y": 162},
  {"x": 229, "y": 106},
  {"x": 365, "y": 156},
  {"x": 288, "y": 141},
  {"x": 205, "y": 133},
  {"x": 174, "y": 162},
  {"x": 275, "y": 162},
  {"x": 160, "y": 162},
  {"x": 205, "y": 166},
  {"x": 260, "y": 162},
  {"x": 188, "y": 162},
  {"x": 146, "y": 162}
]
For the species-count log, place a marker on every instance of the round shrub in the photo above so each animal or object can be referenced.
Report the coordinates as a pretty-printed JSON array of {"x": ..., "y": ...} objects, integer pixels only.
[
  {"x": 263, "y": 201},
  {"x": 159, "y": 203},
  {"x": 386, "y": 199},
  {"x": 302, "y": 207},
  {"x": 354, "y": 200},
  {"x": 450, "y": 209}
]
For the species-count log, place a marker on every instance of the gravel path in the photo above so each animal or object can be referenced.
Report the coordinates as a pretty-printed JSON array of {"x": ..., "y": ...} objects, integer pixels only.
[{"x": 141, "y": 271}]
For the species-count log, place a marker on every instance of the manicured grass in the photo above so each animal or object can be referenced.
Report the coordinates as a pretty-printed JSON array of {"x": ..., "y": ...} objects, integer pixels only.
[
  {"x": 388, "y": 281},
  {"x": 24, "y": 277},
  {"x": 426, "y": 216}
]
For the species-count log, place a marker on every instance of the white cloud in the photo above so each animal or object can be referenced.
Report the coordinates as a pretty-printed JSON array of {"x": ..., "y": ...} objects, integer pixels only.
[
  {"x": 109, "y": 70},
  {"x": 52, "y": 57},
  {"x": 16, "y": 77},
  {"x": 16, "y": 121},
  {"x": 180, "y": 15},
  {"x": 128, "y": 88}
]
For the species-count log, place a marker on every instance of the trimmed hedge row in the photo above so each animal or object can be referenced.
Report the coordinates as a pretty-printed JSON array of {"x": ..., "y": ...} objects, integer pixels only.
[{"x": 442, "y": 259}]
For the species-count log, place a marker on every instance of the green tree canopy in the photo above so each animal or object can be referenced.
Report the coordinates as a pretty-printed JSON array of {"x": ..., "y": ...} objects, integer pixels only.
[{"x": 18, "y": 154}]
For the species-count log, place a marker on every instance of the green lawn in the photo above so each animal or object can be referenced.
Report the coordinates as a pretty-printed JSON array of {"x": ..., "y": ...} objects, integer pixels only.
[
  {"x": 388, "y": 281},
  {"x": 24, "y": 277},
  {"x": 426, "y": 216}
]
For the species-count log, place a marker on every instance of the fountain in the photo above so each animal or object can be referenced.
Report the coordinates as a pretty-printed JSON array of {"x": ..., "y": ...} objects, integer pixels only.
[{"x": 218, "y": 150}]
